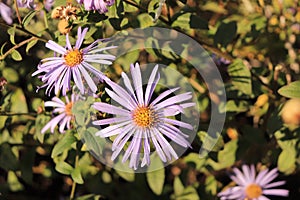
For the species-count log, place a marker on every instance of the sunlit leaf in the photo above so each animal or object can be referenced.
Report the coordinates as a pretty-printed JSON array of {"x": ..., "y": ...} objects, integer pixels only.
[
  {"x": 291, "y": 91},
  {"x": 156, "y": 175}
]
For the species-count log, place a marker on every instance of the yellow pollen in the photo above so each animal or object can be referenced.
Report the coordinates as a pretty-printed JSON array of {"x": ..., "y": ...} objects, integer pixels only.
[
  {"x": 253, "y": 191},
  {"x": 73, "y": 57},
  {"x": 68, "y": 109},
  {"x": 143, "y": 116}
]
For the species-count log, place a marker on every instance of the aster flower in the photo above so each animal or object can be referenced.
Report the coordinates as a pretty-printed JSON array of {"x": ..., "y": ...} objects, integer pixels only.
[
  {"x": 26, "y": 3},
  {"x": 253, "y": 187},
  {"x": 73, "y": 63},
  {"x": 48, "y": 4},
  {"x": 64, "y": 109},
  {"x": 6, "y": 13},
  {"x": 143, "y": 121},
  {"x": 99, "y": 5}
]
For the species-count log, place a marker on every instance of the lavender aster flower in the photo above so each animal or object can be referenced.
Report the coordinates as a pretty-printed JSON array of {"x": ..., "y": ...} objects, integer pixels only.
[
  {"x": 73, "y": 63},
  {"x": 65, "y": 113},
  {"x": 48, "y": 4},
  {"x": 142, "y": 120},
  {"x": 6, "y": 13},
  {"x": 26, "y": 3},
  {"x": 99, "y": 5},
  {"x": 253, "y": 187}
]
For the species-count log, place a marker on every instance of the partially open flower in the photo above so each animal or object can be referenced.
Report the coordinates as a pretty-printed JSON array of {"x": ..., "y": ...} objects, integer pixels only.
[{"x": 64, "y": 12}]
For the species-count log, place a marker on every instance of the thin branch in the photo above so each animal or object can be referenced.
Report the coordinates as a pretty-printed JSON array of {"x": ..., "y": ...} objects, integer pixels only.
[
  {"x": 18, "y": 12},
  {"x": 17, "y": 114},
  {"x": 21, "y": 29},
  {"x": 74, "y": 183},
  {"x": 16, "y": 47}
]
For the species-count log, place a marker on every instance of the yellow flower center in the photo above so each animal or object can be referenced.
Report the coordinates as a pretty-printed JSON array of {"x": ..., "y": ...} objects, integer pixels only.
[
  {"x": 143, "y": 116},
  {"x": 68, "y": 109},
  {"x": 73, "y": 57},
  {"x": 253, "y": 191}
]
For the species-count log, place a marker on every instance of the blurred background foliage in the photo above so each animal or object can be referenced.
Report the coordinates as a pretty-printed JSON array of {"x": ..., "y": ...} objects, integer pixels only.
[{"x": 255, "y": 45}]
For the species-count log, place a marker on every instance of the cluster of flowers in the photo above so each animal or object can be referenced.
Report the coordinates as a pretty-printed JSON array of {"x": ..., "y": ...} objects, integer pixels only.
[
  {"x": 138, "y": 119},
  {"x": 6, "y": 10}
]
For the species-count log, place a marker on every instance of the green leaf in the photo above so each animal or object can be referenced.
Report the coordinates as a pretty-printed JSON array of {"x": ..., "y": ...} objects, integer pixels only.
[
  {"x": 30, "y": 45},
  {"x": 89, "y": 197},
  {"x": 197, "y": 22},
  {"x": 12, "y": 31},
  {"x": 63, "y": 144},
  {"x": 214, "y": 7},
  {"x": 182, "y": 21},
  {"x": 13, "y": 182},
  {"x": 128, "y": 176},
  {"x": 178, "y": 186},
  {"x": 236, "y": 106},
  {"x": 210, "y": 143},
  {"x": 76, "y": 175},
  {"x": 226, "y": 157},
  {"x": 94, "y": 144},
  {"x": 225, "y": 34},
  {"x": 10, "y": 74},
  {"x": 64, "y": 168},
  {"x": 28, "y": 17},
  {"x": 156, "y": 175},
  {"x": 195, "y": 158},
  {"x": 145, "y": 20},
  {"x": 8, "y": 159},
  {"x": 291, "y": 91},
  {"x": 16, "y": 55},
  {"x": 211, "y": 184},
  {"x": 106, "y": 177},
  {"x": 240, "y": 76},
  {"x": 27, "y": 161},
  {"x": 287, "y": 161}
]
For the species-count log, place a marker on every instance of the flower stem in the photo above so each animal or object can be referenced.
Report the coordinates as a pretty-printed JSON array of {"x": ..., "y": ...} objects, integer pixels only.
[
  {"x": 18, "y": 13},
  {"x": 74, "y": 183}
]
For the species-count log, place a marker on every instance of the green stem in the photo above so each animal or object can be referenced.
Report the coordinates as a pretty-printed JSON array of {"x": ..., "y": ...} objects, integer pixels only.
[
  {"x": 16, "y": 47},
  {"x": 74, "y": 183},
  {"x": 15, "y": 114},
  {"x": 21, "y": 29},
  {"x": 18, "y": 13}
]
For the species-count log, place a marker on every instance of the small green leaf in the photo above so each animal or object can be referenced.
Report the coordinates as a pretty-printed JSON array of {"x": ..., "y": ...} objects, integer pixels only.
[
  {"x": 13, "y": 182},
  {"x": 63, "y": 144},
  {"x": 12, "y": 31},
  {"x": 64, "y": 168},
  {"x": 198, "y": 22},
  {"x": 194, "y": 158},
  {"x": 225, "y": 34},
  {"x": 291, "y": 91},
  {"x": 128, "y": 176},
  {"x": 240, "y": 76},
  {"x": 94, "y": 144},
  {"x": 16, "y": 55},
  {"x": 30, "y": 45},
  {"x": 226, "y": 157},
  {"x": 156, "y": 175},
  {"x": 106, "y": 177},
  {"x": 28, "y": 17},
  {"x": 178, "y": 186},
  {"x": 287, "y": 161},
  {"x": 8, "y": 159},
  {"x": 76, "y": 176}
]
